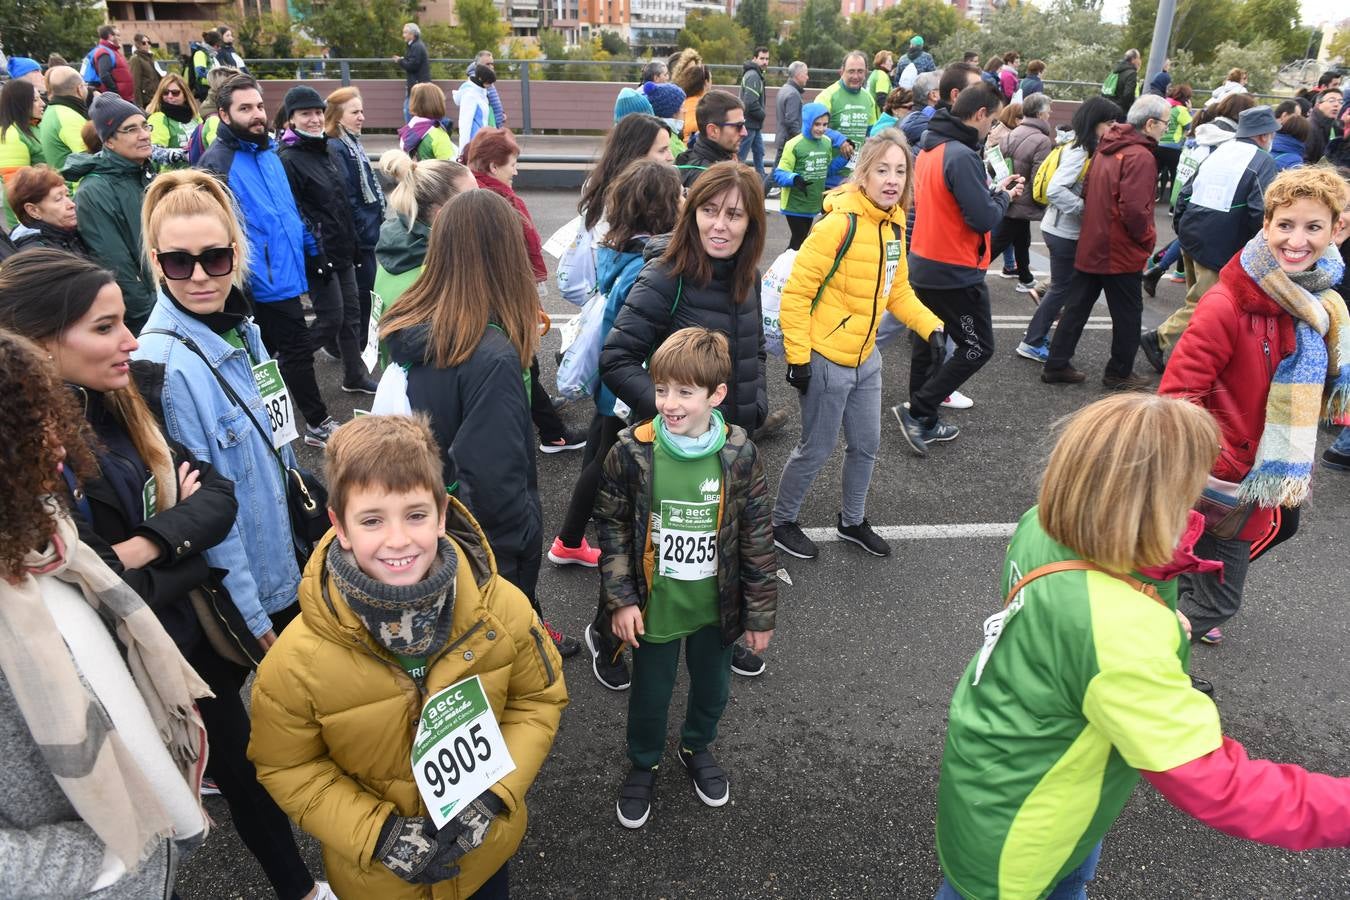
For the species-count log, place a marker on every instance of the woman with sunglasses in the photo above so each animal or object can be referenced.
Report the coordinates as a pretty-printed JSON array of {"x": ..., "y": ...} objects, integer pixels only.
[
  {"x": 198, "y": 251},
  {"x": 145, "y": 75},
  {"x": 150, "y": 510},
  {"x": 172, "y": 114}
]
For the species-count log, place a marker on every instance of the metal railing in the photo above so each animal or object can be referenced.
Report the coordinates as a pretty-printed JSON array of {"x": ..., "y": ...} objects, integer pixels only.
[{"x": 1083, "y": 90}]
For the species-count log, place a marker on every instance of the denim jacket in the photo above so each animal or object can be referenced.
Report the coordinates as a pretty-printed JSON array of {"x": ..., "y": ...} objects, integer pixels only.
[{"x": 258, "y": 554}]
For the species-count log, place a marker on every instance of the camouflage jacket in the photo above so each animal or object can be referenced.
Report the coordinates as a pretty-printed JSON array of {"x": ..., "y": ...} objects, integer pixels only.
[{"x": 746, "y": 559}]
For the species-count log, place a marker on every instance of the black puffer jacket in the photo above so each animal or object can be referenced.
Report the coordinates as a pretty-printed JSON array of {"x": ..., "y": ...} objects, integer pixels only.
[
  {"x": 320, "y": 191},
  {"x": 652, "y": 313},
  {"x": 480, "y": 414},
  {"x": 702, "y": 154}
]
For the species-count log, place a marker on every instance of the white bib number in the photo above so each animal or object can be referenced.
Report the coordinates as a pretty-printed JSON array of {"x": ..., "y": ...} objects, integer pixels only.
[
  {"x": 371, "y": 354},
  {"x": 688, "y": 540},
  {"x": 276, "y": 400},
  {"x": 892, "y": 264},
  {"x": 458, "y": 751}
]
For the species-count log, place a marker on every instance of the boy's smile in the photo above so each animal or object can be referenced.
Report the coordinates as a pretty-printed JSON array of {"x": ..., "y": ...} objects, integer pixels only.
[
  {"x": 686, "y": 409},
  {"x": 393, "y": 536}
]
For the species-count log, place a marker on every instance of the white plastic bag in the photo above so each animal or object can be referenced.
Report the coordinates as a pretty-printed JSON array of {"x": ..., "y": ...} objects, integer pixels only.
[
  {"x": 579, "y": 369},
  {"x": 770, "y": 300},
  {"x": 576, "y": 263},
  {"x": 391, "y": 397},
  {"x": 908, "y": 76}
]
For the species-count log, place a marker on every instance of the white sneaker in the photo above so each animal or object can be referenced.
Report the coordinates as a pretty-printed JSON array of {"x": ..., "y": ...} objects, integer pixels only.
[
  {"x": 323, "y": 892},
  {"x": 958, "y": 400}
]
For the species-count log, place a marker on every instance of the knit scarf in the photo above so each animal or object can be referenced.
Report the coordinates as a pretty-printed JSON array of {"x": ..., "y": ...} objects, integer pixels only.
[
  {"x": 408, "y": 620},
  {"x": 370, "y": 188},
  {"x": 77, "y": 740},
  {"x": 1313, "y": 382}
]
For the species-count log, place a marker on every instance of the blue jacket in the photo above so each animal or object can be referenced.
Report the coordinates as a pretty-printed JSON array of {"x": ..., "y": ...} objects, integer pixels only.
[
  {"x": 278, "y": 240},
  {"x": 915, "y": 124},
  {"x": 615, "y": 271},
  {"x": 258, "y": 555},
  {"x": 367, "y": 217},
  {"x": 1287, "y": 150},
  {"x": 1032, "y": 84}
]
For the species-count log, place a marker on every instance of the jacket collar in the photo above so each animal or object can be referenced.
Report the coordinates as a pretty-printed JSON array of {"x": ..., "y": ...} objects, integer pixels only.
[
  {"x": 234, "y": 142},
  {"x": 213, "y": 346},
  {"x": 1246, "y": 292},
  {"x": 944, "y": 127},
  {"x": 74, "y": 103}
]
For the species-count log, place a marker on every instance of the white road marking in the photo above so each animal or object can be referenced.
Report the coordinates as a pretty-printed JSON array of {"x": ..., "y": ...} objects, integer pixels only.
[{"x": 925, "y": 532}]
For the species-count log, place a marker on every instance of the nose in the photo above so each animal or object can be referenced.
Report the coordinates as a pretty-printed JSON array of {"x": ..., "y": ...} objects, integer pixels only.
[{"x": 129, "y": 342}]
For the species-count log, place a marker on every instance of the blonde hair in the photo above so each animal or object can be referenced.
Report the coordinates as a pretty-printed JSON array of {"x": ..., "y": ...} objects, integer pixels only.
[
  {"x": 869, "y": 157},
  {"x": 1122, "y": 477},
  {"x": 398, "y": 454},
  {"x": 1320, "y": 184},
  {"x": 191, "y": 192},
  {"x": 421, "y": 186},
  {"x": 156, "y": 102},
  {"x": 427, "y": 100},
  {"x": 697, "y": 356},
  {"x": 336, "y": 108}
]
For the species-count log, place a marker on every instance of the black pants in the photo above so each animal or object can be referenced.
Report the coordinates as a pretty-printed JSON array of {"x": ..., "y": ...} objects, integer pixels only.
[
  {"x": 967, "y": 320},
  {"x": 498, "y": 887},
  {"x": 521, "y": 568},
  {"x": 799, "y": 227},
  {"x": 337, "y": 316},
  {"x": 365, "y": 283},
  {"x": 1015, "y": 233},
  {"x": 603, "y": 435},
  {"x": 546, "y": 420},
  {"x": 260, "y": 823},
  {"x": 1126, "y": 303},
  {"x": 286, "y": 337},
  {"x": 1167, "y": 157}
]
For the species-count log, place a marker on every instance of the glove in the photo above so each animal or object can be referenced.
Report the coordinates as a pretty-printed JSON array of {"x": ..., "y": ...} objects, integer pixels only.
[
  {"x": 937, "y": 348},
  {"x": 407, "y": 847},
  {"x": 318, "y": 268},
  {"x": 799, "y": 181},
  {"x": 799, "y": 377},
  {"x": 467, "y": 830}
]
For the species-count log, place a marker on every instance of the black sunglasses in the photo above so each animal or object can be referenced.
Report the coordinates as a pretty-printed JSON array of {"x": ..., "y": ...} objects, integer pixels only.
[{"x": 178, "y": 265}]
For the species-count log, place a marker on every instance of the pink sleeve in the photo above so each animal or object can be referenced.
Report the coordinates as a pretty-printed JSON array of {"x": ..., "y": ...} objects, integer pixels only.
[{"x": 1273, "y": 803}]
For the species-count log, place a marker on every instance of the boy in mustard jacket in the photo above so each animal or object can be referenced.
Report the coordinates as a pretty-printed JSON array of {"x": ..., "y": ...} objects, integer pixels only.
[{"x": 403, "y": 613}]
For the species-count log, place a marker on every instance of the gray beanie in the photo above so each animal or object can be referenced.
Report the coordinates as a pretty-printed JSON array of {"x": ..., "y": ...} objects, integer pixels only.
[{"x": 108, "y": 111}]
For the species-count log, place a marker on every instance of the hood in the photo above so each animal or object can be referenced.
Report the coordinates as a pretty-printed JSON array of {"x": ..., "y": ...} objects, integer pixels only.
[
  {"x": 1183, "y": 557},
  {"x": 656, "y": 245},
  {"x": 1215, "y": 132},
  {"x": 1286, "y": 143},
  {"x": 611, "y": 263},
  {"x": 810, "y": 112},
  {"x": 850, "y": 198},
  {"x": 703, "y": 152},
  {"x": 79, "y": 165},
  {"x": 468, "y": 91},
  {"x": 1121, "y": 135},
  {"x": 1160, "y": 83},
  {"x": 411, "y": 134},
  {"x": 943, "y": 127},
  {"x": 22, "y": 231},
  {"x": 408, "y": 346},
  {"x": 74, "y": 103},
  {"x": 751, "y": 67},
  {"x": 401, "y": 249},
  {"x": 1125, "y": 66}
]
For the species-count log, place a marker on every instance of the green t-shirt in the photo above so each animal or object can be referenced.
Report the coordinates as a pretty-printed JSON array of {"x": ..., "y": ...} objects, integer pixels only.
[
  {"x": 809, "y": 158},
  {"x": 852, "y": 113},
  {"x": 879, "y": 82},
  {"x": 415, "y": 666},
  {"x": 1080, "y": 684},
  {"x": 686, "y": 510}
]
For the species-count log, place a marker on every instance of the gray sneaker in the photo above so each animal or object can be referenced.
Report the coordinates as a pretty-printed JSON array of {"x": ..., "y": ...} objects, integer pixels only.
[{"x": 318, "y": 435}]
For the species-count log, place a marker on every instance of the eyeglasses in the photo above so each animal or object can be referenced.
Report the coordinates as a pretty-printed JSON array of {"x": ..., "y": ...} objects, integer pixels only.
[
  {"x": 178, "y": 265},
  {"x": 740, "y": 124},
  {"x": 143, "y": 128}
]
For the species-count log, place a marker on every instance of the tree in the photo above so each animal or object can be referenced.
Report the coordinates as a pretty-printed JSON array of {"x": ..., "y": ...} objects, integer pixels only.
[
  {"x": 716, "y": 36},
  {"x": 446, "y": 42},
  {"x": 1259, "y": 59},
  {"x": 482, "y": 29},
  {"x": 370, "y": 28},
  {"x": 934, "y": 20},
  {"x": 265, "y": 36},
  {"x": 1339, "y": 48},
  {"x": 815, "y": 40},
  {"x": 1274, "y": 20},
  {"x": 613, "y": 43},
  {"x": 1199, "y": 26},
  {"x": 753, "y": 16},
  {"x": 38, "y": 28}
]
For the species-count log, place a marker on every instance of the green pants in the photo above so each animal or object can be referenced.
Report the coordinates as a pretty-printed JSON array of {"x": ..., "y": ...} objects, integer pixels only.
[{"x": 654, "y": 670}]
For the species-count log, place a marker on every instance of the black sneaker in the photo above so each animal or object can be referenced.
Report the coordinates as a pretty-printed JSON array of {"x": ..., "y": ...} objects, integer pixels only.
[
  {"x": 570, "y": 441},
  {"x": 1148, "y": 342},
  {"x": 789, "y": 538},
  {"x": 364, "y": 386},
  {"x": 940, "y": 432},
  {"x": 912, "y": 430},
  {"x": 609, "y": 671},
  {"x": 1203, "y": 686},
  {"x": 635, "y": 797},
  {"x": 1066, "y": 375},
  {"x": 743, "y": 662},
  {"x": 567, "y": 646},
  {"x": 1130, "y": 382},
  {"x": 710, "y": 782},
  {"x": 1333, "y": 460},
  {"x": 1151, "y": 279},
  {"x": 863, "y": 535}
]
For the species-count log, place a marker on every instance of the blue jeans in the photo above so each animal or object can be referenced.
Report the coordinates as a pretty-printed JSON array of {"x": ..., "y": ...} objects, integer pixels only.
[
  {"x": 753, "y": 144},
  {"x": 1009, "y": 261},
  {"x": 1170, "y": 255},
  {"x": 1071, "y": 887},
  {"x": 1342, "y": 443}
]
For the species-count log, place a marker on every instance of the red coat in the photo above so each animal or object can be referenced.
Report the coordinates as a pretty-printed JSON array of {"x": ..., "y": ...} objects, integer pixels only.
[
  {"x": 1118, "y": 233},
  {"x": 1224, "y": 362},
  {"x": 121, "y": 72},
  {"x": 532, "y": 243}
]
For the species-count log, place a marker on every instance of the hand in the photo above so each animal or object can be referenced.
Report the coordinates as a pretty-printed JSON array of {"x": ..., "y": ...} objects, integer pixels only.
[
  {"x": 1185, "y": 623},
  {"x": 758, "y": 641},
  {"x": 395, "y": 58},
  {"x": 267, "y": 640},
  {"x": 937, "y": 348},
  {"x": 318, "y": 268},
  {"x": 136, "y": 553},
  {"x": 799, "y": 181},
  {"x": 187, "y": 481},
  {"x": 627, "y": 625},
  {"x": 846, "y": 149},
  {"x": 1013, "y": 185},
  {"x": 407, "y": 846},
  {"x": 467, "y": 830},
  {"x": 799, "y": 377}
]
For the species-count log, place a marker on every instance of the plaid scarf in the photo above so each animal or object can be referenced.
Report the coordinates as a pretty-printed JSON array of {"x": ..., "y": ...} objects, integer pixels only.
[{"x": 1312, "y": 382}]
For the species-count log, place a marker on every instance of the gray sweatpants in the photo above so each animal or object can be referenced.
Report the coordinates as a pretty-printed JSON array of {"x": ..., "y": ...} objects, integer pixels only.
[{"x": 837, "y": 397}]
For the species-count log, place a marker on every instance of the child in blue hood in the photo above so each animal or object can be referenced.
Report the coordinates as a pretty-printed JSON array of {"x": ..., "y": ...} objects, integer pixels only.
[{"x": 807, "y": 160}]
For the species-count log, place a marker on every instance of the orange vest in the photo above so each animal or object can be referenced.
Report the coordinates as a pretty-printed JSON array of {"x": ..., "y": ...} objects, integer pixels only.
[{"x": 940, "y": 232}]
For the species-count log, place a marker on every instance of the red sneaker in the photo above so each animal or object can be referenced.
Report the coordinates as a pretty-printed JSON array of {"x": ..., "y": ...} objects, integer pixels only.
[{"x": 585, "y": 555}]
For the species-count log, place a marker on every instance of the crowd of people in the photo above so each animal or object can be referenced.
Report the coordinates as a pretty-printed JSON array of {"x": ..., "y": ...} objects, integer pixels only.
[{"x": 160, "y": 541}]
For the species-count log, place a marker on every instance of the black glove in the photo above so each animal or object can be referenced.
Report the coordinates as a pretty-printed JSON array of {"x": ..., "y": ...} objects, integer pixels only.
[
  {"x": 407, "y": 847},
  {"x": 318, "y": 268},
  {"x": 937, "y": 348},
  {"x": 799, "y": 377},
  {"x": 468, "y": 830},
  {"x": 799, "y": 181}
]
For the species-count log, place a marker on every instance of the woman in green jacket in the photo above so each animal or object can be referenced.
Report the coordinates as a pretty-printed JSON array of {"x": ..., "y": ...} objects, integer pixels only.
[
  {"x": 172, "y": 113},
  {"x": 20, "y": 107}
]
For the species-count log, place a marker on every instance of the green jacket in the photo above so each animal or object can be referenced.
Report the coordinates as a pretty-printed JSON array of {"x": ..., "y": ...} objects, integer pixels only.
[
  {"x": 60, "y": 132},
  {"x": 166, "y": 132},
  {"x": 746, "y": 560},
  {"x": 108, "y": 210}
]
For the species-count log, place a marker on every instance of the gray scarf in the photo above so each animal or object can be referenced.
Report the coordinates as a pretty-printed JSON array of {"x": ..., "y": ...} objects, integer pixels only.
[
  {"x": 370, "y": 188},
  {"x": 413, "y": 620}
]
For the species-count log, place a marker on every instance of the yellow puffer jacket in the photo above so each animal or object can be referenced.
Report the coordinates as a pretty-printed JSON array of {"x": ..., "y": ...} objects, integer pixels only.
[
  {"x": 334, "y": 716},
  {"x": 843, "y": 327}
]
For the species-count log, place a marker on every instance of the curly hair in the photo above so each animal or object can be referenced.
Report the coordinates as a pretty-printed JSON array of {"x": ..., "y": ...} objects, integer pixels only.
[{"x": 38, "y": 418}]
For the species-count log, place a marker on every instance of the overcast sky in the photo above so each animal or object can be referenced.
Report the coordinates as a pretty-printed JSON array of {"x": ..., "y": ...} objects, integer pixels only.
[{"x": 1314, "y": 11}]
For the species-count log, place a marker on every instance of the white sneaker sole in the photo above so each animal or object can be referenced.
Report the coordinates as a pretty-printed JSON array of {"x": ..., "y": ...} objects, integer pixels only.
[
  {"x": 1031, "y": 356},
  {"x": 746, "y": 673},
  {"x": 595, "y": 670},
  {"x": 560, "y": 448},
  {"x": 570, "y": 561},
  {"x": 853, "y": 540},
  {"x": 632, "y": 823},
  {"x": 706, "y": 800},
  {"x": 790, "y": 552}
]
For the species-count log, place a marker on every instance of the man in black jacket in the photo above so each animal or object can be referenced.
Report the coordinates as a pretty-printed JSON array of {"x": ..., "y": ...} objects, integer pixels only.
[
  {"x": 721, "y": 123},
  {"x": 752, "y": 98},
  {"x": 415, "y": 62},
  {"x": 1127, "y": 79}
]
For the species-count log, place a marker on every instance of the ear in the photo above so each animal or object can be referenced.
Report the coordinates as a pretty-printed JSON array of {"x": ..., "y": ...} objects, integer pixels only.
[
  {"x": 337, "y": 527},
  {"x": 717, "y": 396},
  {"x": 445, "y": 505}
]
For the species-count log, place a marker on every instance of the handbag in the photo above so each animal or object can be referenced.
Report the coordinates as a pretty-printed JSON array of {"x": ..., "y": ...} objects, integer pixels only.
[
  {"x": 1225, "y": 516},
  {"x": 222, "y": 623},
  {"x": 306, "y": 497}
]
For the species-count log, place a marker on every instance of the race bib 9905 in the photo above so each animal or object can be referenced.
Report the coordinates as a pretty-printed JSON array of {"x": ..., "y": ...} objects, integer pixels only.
[{"x": 458, "y": 751}]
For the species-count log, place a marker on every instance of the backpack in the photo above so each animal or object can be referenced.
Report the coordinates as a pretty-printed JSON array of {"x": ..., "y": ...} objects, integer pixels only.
[
  {"x": 1110, "y": 84},
  {"x": 89, "y": 68},
  {"x": 1040, "y": 182},
  {"x": 196, "y": 83}
]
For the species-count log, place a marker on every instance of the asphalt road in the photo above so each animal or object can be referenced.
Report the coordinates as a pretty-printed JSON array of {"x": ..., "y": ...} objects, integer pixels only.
[{"x": 833, "y": 754}]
